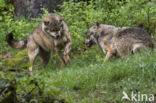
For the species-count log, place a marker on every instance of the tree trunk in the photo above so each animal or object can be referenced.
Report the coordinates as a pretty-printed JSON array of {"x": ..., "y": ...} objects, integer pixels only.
[{"x": 33, "y": 7}]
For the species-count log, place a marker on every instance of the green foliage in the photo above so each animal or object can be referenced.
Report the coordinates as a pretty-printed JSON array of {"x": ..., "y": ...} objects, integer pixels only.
[
  {"x": 26, "y": 88},
  {"x": 6, "y": 16},
  {"x": 20, "y": 60}
]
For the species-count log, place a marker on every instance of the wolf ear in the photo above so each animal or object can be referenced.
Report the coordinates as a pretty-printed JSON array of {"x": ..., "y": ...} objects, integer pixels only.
[{"x": 97, "y": 24}]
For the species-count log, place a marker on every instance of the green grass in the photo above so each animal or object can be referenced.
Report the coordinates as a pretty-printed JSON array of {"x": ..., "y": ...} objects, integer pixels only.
[{"x": 87, "y": 79}]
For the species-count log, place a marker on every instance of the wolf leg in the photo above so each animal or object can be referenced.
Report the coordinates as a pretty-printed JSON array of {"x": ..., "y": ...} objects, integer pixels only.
[
  {"x": 138, "y": 47},
  {"x": 45, "y": 56},
  {"x": 33, "y": 51},
  {"x": 60, "y": 57},
  {"x": 109, "y": 54},
  {"x": 66, "y": 52}
]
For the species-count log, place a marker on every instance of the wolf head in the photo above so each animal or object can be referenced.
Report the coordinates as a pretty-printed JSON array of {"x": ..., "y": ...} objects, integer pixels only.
[
  {"x": 53, "y": 25},
  {"x": 92, "y": 35}
]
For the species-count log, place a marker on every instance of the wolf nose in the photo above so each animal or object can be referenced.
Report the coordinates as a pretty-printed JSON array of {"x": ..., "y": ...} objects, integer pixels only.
[{"x": 57, "y": 36}]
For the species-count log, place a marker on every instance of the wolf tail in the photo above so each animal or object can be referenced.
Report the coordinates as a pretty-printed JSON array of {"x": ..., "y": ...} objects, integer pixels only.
[{"x": 21, "y": 44}]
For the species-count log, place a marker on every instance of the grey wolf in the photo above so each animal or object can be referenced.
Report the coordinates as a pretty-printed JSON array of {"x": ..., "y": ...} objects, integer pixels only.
[
  {"x": 119, "y": 41},
  {"x": 52, "y": 35}
]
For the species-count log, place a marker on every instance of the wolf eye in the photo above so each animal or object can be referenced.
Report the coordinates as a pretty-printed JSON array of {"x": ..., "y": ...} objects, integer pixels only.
[{"x": 46, "y": 22}]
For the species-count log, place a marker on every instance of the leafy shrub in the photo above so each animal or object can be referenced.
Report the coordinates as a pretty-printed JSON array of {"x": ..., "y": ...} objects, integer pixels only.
[{"x": 6, "y": 15}]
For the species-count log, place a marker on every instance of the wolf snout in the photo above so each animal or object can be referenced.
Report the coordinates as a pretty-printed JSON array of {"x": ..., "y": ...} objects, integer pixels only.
[
  {"x": 87, "y": 43},
  {"x": 57, "y": 36}
]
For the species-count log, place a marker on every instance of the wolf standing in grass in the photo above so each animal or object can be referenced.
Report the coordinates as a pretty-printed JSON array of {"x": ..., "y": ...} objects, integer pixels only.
[
  {"x": 51, "y": 35},
  {"x": 118, "y": 41}
]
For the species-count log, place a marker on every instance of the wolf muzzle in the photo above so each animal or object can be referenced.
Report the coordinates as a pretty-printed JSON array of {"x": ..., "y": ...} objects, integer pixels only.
[
  {"x": 57, "y": 36},
  {"x": 88, "y": 43}
]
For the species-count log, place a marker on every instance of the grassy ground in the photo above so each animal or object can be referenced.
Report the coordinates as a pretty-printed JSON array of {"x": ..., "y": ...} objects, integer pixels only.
[{"x": 87, "y": 79}]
